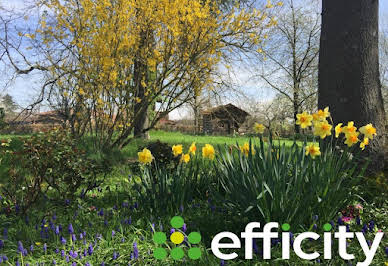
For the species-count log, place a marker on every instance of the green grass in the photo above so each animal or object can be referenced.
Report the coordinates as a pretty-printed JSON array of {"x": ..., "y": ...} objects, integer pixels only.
[
  {"x": 186, "y": 140},
  {"x": 130, "y": 151}
]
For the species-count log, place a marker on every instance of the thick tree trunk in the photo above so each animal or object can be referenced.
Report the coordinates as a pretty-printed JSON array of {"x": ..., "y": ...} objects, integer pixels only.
[{"x": 349, "y": 67}]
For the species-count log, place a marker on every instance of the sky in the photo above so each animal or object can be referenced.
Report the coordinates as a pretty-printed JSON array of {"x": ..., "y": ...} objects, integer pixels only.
[{"x": 24, "y": 89}]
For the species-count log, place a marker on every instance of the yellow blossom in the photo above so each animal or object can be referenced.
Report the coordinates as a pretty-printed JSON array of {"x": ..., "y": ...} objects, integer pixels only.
[
  {"x": 349, "y": 129},
  {"x": 364, "y": 143},
  {"x": 313, "y": 150},
  {"x": 177, "y": 150},
  {"x": 351, "y": 138},
  {"x": 338, "y": 130},
  {"x": 322, "y": 129},
  {"x": 369, "y": 131},
  {"x": 259, "y": 128},
  {"x": 208, "y": 151},
  {"x": 145, "y": 156},
  {"x": 322, "y": 114},
  {"x": 304, "y": 120},
  {"x": 81, "y": 91},
  {"x": 185, "y": 158},
  {"x": 192, "y": 148},
  {"x": 245, "y": 149}
]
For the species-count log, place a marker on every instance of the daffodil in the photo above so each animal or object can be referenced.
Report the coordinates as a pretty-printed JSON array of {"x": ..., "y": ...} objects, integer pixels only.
[
  {"x": 177, "y": 150},
  {"x": 369, "y": 131},
  {"x": 349, "y": 129},
  {"x": 322, "y": 114},
  {"x": 304, "y": 120},
  {"x": 259, "y": 128},
  {"x": 338, "y": 130},
  {"x": 245, "y": 149},
  {"x": 145, "y": 156},
  {"x": 192, "y": 148},
  {"x": 351, "y": 139},
  {"x": 185, "y": 158},
  {"x": 208, "y": 151},
  {"x": 364, "y": 143},
  {"x": 313, "y": 150},
  {"x": 322, "y": 129}
]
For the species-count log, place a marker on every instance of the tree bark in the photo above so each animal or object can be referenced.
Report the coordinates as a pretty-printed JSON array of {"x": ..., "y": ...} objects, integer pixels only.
[{"x": 349, "y": 81}]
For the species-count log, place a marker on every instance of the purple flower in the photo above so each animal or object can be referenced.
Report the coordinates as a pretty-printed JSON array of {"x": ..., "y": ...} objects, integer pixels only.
[
  {"x": 222, "y": 263},
  {"x": 90, "y": 250},
  {"x": 62, "y": 253},
  {"x": 315, "y": 218},
  {"x": 101, "y": 212},
  {"x": 71, "y": 229},
  {"x": 87, "y": 264},
  {"x": 73, "y": 238},
  {"x": 45, "y": 247},
  {"x": 56, "y": 230},
  {"x": 386, "y": 251},
  {"x": 74, "y": 264},
  {"x": 32, "y": 248},
  {"x": 54, "y": 262},
  {"x": 67, "y": 202},
  {"x": 20, "y": 247},
  {"x": 172, "y": 231},
  {"x": 1, "y": 243},
  {"x": 17, "y": 263},
  {"x": 102, "y": 263},
  {"x": 5, "y": 233},
  {"x": 67, "y": 259},
  {"x": 115, "y": 255},
  {"x": 315, "y": 226},
  {"x": 135, "y": 250},
  {"x": 358, "y": 220},
  {"x": 63, "y": 240},
  {"x": 184, "y": 228},
  {"x": 113, "y": 233},
  {"x": 371, "y": 225}
]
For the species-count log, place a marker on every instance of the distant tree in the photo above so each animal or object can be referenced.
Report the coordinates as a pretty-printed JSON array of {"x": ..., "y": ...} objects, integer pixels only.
[
  {"x": 291, "y": 55},
  {"x": 8, "y": 104},
  {"x": 349, "y": 68}
]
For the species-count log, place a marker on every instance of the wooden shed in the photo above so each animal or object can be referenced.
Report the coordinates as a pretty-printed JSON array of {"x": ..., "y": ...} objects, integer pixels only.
[{"x": 223, "y": 119}]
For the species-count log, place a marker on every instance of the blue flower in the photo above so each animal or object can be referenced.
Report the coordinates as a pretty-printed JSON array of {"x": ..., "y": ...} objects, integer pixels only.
[
  {"x": 20, "y": 247},
  {"x": 115, "y": 255},
  {"x": 63, "y": 240},
  {"x": 135, "y": 250},
  {"x": 71, "y": 229},
  {"x": 90, "y": 250}
]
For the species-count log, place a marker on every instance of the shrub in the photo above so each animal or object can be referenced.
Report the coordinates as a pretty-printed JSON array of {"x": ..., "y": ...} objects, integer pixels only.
[
  {"x": 47, "y": 163},
  {"x": 162, "y": 154}
]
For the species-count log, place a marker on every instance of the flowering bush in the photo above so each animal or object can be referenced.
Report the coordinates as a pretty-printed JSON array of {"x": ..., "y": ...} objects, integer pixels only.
[{"x": 47, "y": 163}]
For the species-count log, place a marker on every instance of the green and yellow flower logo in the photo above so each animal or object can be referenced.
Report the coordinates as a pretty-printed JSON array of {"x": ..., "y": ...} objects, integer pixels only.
[{"x": 178, "y": 237}]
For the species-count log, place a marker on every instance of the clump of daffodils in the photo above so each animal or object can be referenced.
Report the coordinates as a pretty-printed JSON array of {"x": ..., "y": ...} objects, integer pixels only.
[{"x": 322, "y": 128}]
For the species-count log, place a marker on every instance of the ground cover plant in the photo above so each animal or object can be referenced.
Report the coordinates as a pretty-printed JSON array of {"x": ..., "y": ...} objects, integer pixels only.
[{"x": 213, "y": 187}]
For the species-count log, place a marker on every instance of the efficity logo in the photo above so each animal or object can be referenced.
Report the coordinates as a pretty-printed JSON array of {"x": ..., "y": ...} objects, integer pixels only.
[
  {"x": 267, "y": 234},
  {"x": 177, "y": 237}
]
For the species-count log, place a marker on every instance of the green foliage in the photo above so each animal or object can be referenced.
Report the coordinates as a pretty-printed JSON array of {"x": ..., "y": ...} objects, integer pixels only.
[
  {"x": 283, "y": 184},
  {"x": 46, "y": 164},
  {"x": 161, "y": 189}
]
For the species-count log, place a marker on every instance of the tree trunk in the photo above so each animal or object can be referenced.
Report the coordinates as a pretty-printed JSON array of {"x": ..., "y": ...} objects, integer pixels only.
[
  {"x": 140, "y": 76},
  {"x": 296, "y": 110},
  {"x": 349, "y": 68}
]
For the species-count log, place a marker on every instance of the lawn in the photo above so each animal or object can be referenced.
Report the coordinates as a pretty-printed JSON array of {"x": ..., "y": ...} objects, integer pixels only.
[{"x": 173, "y": 138}]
